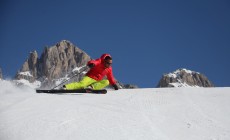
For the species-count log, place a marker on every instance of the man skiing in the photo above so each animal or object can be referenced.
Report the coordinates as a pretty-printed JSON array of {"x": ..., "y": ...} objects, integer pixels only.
[{"x": 93, "y": 79}]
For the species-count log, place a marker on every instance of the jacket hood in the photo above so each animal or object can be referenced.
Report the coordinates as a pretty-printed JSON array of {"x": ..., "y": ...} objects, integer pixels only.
[{"x": 103, "y": 56}]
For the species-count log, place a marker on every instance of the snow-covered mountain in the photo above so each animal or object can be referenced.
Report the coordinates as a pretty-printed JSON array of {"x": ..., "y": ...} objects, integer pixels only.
[
  {"x": 184, "y": 78},
  {"x": 127, "y": 114}
]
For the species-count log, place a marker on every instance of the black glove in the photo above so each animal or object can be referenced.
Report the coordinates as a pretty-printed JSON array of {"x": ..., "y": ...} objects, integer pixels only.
[
  {"x": 91, "y": 65},
  {"x": 115, "y": 87}
]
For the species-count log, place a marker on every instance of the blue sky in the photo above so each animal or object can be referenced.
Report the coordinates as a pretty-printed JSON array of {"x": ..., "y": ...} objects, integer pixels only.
[{"x": 146, "y": 38}]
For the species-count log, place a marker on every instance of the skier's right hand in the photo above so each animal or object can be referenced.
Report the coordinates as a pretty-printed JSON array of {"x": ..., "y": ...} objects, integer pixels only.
[{"x": 91, "y": 65}]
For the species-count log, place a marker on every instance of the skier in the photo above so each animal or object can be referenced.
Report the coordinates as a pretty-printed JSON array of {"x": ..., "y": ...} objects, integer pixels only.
[{"x": 93, "y": 79}]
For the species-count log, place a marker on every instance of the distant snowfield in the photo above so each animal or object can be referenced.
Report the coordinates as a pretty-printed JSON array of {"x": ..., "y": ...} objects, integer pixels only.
[{"x": 135, "y": 114}]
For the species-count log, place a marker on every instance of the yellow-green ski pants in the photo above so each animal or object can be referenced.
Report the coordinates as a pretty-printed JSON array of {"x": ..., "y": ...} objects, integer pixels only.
[{"x": 86, "y": 81}]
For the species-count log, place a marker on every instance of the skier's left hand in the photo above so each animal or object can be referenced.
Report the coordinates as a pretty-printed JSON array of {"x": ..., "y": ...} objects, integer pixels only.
[{"x": 115, "y": 86}]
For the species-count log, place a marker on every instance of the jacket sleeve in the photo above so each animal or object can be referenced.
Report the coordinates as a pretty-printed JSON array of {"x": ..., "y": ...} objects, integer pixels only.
[
  {"x": 95, "y": 62},
  {"x": 111, "y": 77}
]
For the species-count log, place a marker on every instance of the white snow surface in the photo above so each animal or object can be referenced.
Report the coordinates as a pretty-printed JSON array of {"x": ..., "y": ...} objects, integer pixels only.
[
  {"x": 35, "y": 84},
  {"x": 176, "y": 73},
  {"x": 26, "y": 73},
  {"x": 180, "y": 83},
  {"x": 127, "y": 114},
  {"x": 76, "y": 70}
]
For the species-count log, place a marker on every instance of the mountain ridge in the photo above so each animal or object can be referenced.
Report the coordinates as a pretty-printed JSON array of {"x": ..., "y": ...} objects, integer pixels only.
[
  {"x": 57, "y": 64},
  {"x": 184, "y": 78}
]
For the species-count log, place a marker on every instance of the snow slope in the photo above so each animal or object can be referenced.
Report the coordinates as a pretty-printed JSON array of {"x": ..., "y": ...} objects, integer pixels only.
[{"x": 134, "y": 114}]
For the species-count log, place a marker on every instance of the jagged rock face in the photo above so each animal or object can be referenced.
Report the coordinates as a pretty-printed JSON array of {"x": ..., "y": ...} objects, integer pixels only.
[
  {"x": 55, "y": 62},
  {"x": 184, "y": 78},
  {"x": 29, "y": 68},
  {"x": 1, "y": 74}
]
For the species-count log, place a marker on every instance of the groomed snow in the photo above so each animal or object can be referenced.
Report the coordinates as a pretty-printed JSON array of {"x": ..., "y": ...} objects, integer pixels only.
[{"x": 135, "y": 114}]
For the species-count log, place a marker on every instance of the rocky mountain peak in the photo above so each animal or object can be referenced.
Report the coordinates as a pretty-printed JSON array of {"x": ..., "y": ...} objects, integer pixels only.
[
  {"x": 184, "y": 78},
  {"x": 55, "y": 62},
  {"x": 28, "y": 70},
  {"x": 61, "y": 59}
]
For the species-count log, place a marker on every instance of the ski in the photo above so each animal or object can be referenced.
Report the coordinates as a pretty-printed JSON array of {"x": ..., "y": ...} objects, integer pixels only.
[{"x": 53, "y": 91}]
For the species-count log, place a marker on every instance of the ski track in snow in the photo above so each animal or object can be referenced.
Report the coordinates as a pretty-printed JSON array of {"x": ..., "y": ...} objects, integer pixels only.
[{"x": 150, "y": 114}]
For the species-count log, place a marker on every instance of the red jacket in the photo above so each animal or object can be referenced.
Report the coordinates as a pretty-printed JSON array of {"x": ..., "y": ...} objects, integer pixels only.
[{"x": 99, "y": 71}]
